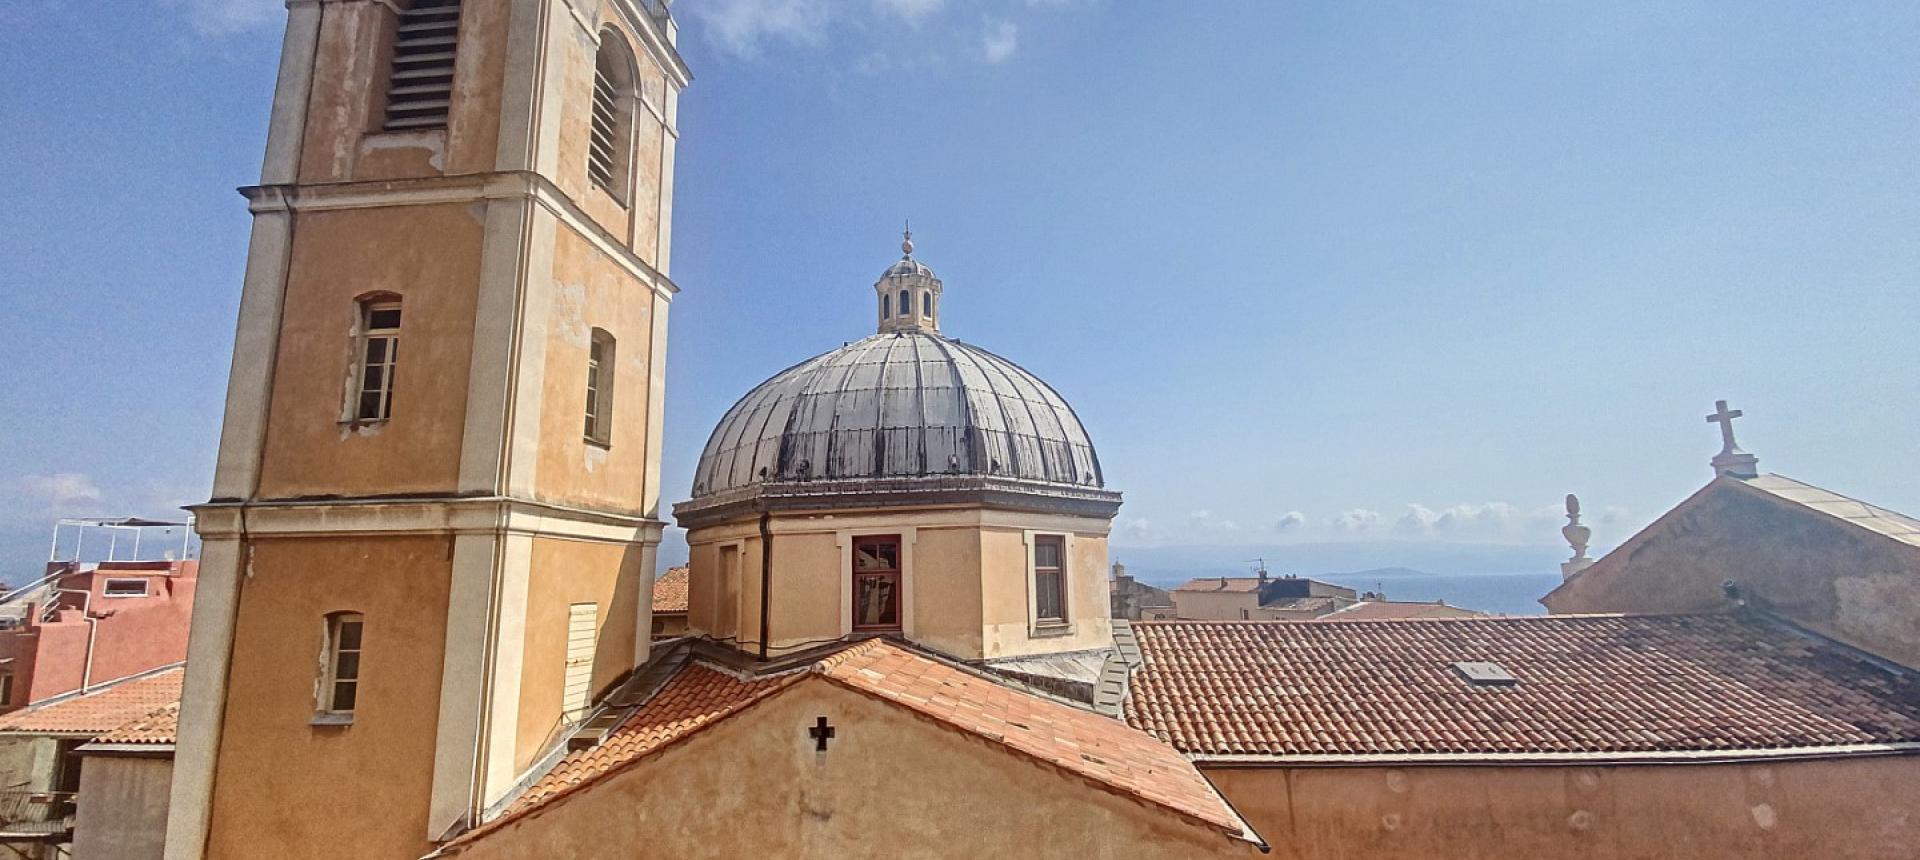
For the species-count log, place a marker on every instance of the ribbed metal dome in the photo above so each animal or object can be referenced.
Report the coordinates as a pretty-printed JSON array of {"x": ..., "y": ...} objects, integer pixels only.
[{"x": 898, "y": 405}]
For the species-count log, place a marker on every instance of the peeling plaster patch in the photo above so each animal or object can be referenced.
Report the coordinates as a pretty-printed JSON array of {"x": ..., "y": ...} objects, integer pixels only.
[
  {"x": 1880, "y": 604},
  {"x": 1763, "y": 776},
  {"x": 1396, "y": 782},
  {"x": 1763, "y": 816},
  {"x": 1390, "y": 821},
  {"x": 1580, "y": 820},
  {"x": 596, "y": 457},
  {"x": 569, "y": 319},
  {"x": 1587, "y": 779},
  {"x": 434, "y": 142}
]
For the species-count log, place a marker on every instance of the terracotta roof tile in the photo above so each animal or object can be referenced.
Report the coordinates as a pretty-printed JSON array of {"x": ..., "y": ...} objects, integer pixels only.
[
  {"x": 1094, "y": 747},
  {"x": 670, "y": 591},
  {"x": 1585, "y": 685},
  {"x": 101, "y": 709},
  {"x": 158, "y": 727}
]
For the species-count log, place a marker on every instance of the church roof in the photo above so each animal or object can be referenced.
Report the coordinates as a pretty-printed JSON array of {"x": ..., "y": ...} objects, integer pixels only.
[
  {"x": 907, "y": 407},
  {"x": 1086, "y": 745},
  {"x": 1854, "y": 512},
  {"x": 1595, "y": 686}
]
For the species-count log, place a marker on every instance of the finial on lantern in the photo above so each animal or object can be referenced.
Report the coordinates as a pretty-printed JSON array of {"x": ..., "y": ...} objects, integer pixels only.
[{"x": 906, "y": 242}]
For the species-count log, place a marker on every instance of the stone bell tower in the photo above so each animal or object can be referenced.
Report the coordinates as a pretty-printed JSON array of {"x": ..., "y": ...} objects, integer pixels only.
[{"x": 432, "y": 530}]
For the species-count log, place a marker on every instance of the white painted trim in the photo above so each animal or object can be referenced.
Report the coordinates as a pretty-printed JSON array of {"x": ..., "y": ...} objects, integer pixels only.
[
  {"x": 526, "y": 36},
  {"x": 287, "y": 122},
  {"x": 256, "y": 346},
  {"x": 643, "y": 626},
  {"x": 496, "y": 342},
  {"x": 489, "y": 515},
  {"x": 216, "y": 602},
  {"x": 507, "y": 645},
  {"x": 526, "y": 385},
  {"x": 463, "y": 673}
]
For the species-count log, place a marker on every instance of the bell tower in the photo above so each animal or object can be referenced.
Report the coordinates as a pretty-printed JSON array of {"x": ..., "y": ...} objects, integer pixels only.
[{"x": 432, "y": 531}]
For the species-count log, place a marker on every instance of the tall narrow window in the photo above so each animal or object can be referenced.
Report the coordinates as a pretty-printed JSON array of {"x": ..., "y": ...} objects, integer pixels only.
[
  {"x": 340, "y": 688},
  {"x": 906, "y": 303},
  {"x": 420, "y": 86},
  {"x": 610, "y": 139},
  {"x": 876, "y": 583},
  {"x": 1049, "y": 579},
  {"x": 6, "y": 688},
  {"x": 583, "y": 634},
  {"x": 379, "y": 354},
  {"x": 886, "y": 306},
  {"x": 926, "y": 304},
  {"x": 600, "y": 389}
]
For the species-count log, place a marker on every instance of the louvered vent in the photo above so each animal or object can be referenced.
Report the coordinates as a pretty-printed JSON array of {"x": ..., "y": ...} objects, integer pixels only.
[
  {"x": 606, "y": 120},
  {"x": 421, "y": 87}
]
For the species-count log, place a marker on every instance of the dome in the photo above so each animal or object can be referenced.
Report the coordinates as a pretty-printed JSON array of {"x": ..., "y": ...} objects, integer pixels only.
[
  {"x": 899, "y": 405},
  {"x": 907, "y": 268}
]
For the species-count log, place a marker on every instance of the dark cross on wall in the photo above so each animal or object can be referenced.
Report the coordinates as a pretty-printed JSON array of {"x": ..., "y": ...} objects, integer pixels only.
[{"x": 821, "y": 733}]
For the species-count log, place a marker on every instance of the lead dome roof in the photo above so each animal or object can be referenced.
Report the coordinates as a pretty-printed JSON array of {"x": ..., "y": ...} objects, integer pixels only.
[{"x": 898, "y": 405}]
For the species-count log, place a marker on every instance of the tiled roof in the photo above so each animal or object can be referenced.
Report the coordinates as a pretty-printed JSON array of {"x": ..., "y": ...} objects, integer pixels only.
[
  {"x": 1376, "y": 610},
  {"x": 697, "y": 696},
  {"x": 1222, "y": 583},
  {"x": 1893, "y": 524},
  {"x": 670, "y": 591},
  {"x": 158, "y": 727},
  {"x": 101, "y": 709},
  {"x": 1585, "y": 685},
  {"x": 1096, "y": 748}
]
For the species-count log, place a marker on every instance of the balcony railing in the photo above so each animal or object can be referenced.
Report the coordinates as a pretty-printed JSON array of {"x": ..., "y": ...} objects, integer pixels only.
[{"x": 36, "y": 815}]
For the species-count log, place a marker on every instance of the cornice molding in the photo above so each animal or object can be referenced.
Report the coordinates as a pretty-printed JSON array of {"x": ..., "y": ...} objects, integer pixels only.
[
  {"x": 226, "y": 520},
  {"x": 462, "y": 188}
]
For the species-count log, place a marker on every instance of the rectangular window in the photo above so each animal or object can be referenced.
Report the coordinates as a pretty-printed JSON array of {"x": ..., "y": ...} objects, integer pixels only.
[
  {"x": 340, "y": 691},
  {"x": 600, "y": 357},
  {"x": 6, "y": 688},
  {"x": 379, "y": 355},
  {"x": 1049, "y": 579},
  {"x": 125, "y": 588},
  {"x": 876, "y": 583},
  {"x": 583, "y": 634}
]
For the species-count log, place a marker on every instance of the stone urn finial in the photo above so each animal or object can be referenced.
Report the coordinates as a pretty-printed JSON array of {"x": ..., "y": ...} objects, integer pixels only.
[{"x": 1577, "y": 536}]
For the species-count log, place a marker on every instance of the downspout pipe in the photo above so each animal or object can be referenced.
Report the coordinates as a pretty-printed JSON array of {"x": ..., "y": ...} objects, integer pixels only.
[
  {"x": 93, "y": 632},
  {"x": 766, "y": 579}
]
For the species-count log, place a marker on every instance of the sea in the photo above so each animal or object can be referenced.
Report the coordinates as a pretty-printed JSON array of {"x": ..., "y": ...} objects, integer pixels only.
[{"x": 1496, "y": 593}]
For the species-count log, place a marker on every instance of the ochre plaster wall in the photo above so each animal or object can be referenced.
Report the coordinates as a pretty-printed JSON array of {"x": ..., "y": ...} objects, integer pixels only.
[
  {"x": 946, "y": 590},
  {"x": 564, "y": 573},
  {"x": 1857, "y": 587},
  {"x": 329, "y": 791},
  {"x": 891, "y": 784},
  {"x": 589, "y": 291},
  {"x": 1007, "y": 616},
  {"x": 429, "y": 256},
  {"x": 122, "y": 808},
  {"x": 1843, "y": 809}
]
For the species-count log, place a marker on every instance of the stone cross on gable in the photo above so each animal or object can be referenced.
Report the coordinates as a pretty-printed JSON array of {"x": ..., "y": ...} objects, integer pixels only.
[{"x": 1731, "y": 461}]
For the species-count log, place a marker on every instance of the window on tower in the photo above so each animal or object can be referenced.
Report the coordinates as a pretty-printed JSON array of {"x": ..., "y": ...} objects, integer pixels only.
[
  {"x": 876, "y": 583},
  {"x": 340, "y": 684},
  {"x": 600, "y": 353},
  {"x": 926, "y": 304},
  {"x": 609, "y": 140},
  {"x": 886, "y": 306},
  {"x": 377, "y": 352},
  {"x": 420, "y": 84},
  {"x": 906, "y": 303},
  {"x": 1049, "y": 579}
]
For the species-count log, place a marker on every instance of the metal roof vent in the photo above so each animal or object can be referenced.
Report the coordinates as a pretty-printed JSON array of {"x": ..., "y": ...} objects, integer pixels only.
[{"x": 1485, "y": 674}]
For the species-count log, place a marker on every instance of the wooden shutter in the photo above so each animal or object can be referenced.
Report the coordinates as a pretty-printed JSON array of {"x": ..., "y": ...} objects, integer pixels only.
[{"x": 583, "y": 633}]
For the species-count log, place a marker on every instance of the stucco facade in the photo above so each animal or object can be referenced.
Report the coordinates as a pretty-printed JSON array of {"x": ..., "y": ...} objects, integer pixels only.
[
  {"x": 1822, "y": 571},
  {"x": 122, "y": 812},
  {"x": 966, "y": 577},
  {"x": 472, "y": 522},
  {"x": 1861, "y": 808},
  {"x": 890, "y": 784}
]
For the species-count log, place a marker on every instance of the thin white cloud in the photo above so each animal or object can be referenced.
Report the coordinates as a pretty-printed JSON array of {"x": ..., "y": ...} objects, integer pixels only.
[
  {"x": 60, "y": 493},
  {"x": 1356, "y": 520},
  {"x": 744, "y": 27},
  {"x": 230, "y": 17},
  {"x": 910, "y": 11},
  {"x": 1001, "y": 40},
  {"x": 1290, "y": 521}
]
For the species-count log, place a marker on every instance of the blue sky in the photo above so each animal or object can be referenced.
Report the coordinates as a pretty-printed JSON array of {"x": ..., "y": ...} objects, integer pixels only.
[{"x": 1308, "y": 271}]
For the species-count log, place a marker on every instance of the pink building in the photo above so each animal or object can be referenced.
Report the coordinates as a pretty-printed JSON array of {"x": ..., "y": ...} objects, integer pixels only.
[{"x": 87, "y": 624}]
